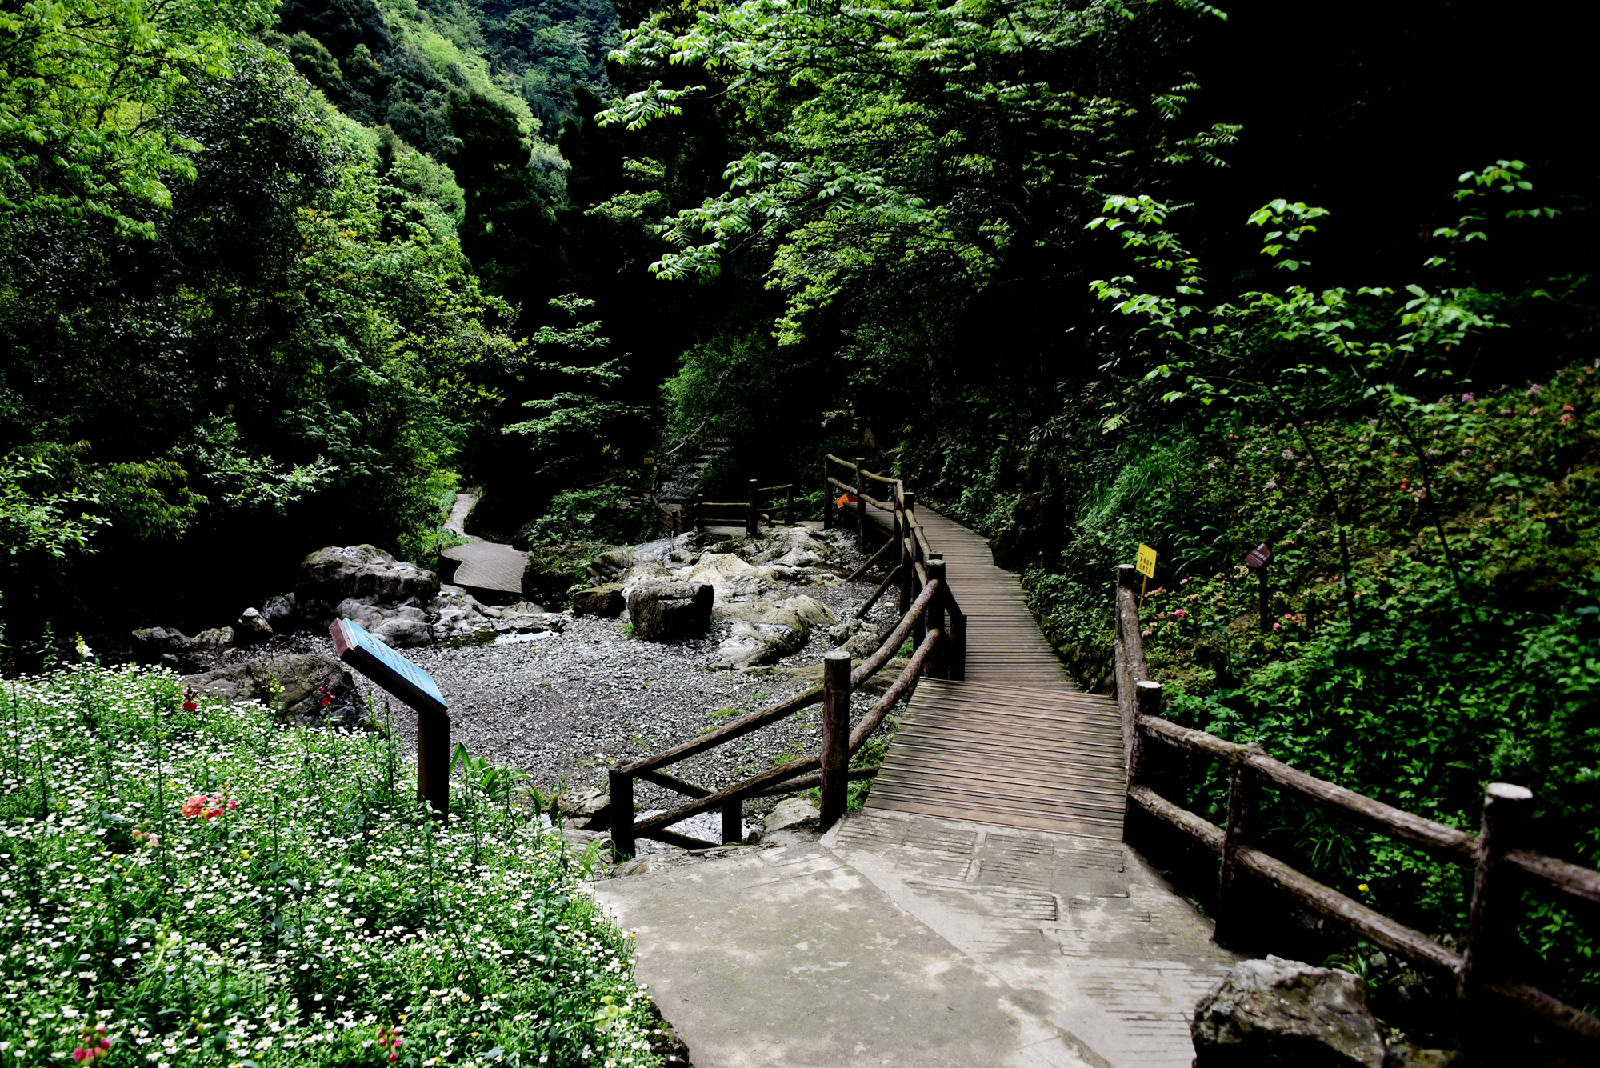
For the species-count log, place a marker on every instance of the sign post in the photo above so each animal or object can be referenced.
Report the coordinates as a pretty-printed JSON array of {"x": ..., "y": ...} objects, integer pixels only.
[
  {"x": 1257, "y": 561},
  {"x": 1145, "y": 564},
  {"x": 416, "y": 688}
]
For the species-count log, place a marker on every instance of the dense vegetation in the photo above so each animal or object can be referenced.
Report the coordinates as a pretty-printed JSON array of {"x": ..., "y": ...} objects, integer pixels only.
[
  {"x": 1090, "y": 274},
  {"x": 202, "y": 885}
]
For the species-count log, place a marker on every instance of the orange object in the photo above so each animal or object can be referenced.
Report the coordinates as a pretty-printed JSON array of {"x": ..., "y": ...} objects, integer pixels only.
[{"x": 844, "y": 499}]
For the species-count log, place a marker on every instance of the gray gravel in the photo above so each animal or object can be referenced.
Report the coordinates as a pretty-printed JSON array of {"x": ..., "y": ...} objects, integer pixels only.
[{"x": 563, "y": 707}]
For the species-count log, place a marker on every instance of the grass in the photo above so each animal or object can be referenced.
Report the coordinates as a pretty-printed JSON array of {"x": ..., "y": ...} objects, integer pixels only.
[{"x": 195, "y": 884}]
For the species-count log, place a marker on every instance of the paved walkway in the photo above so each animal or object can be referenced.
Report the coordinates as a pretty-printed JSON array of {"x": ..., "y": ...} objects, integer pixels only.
[
  {"x": 912, "y": 940},
  {"x": 982, "y": 909},
  {"x": 488, "y": 570}
]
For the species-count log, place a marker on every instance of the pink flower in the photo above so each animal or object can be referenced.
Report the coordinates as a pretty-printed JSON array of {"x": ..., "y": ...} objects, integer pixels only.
[
  {"x": 1567, "y": 418},
  {"x": 80, "y": 1054},
  {"x": 1535, "y": 389},
  {"x": 1272, "y": 485},
  {"x": 1146, "y": 633},
  {"x": 1180, "y": 613},
  {"x": 194, "y": 805},
  {"x": 1277, "y": 626}
]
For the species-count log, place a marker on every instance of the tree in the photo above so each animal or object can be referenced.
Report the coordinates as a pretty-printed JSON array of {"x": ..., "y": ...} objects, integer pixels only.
[{"x": 83, "y": 87}]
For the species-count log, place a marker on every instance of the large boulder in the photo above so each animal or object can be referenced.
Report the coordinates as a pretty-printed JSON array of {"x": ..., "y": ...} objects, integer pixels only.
[
  {"x": 792, "y": 547},
  {"x": 610, "y": 565},
  {"x": 398, "y": 627},
  {"x": 765, "y": 632},
  {"x": 152, "y": 643},
  {"x": 308, "y": 680},
  {"x": 341, "y": 573},
  {"x": 732, "y": 578},
  {"x": 1275, "y": 1012},
  {"x": 279, "y": 612},
  {"x": 667, "y": 611},
  {"x": 606, "y": 601}
]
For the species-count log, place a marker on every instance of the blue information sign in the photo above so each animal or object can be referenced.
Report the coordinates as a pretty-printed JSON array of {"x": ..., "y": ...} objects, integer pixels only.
[{"x": 387, "y": 668}]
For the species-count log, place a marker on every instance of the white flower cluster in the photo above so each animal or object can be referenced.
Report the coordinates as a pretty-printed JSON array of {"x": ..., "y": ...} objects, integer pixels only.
[{"x": 210, "y": 887}]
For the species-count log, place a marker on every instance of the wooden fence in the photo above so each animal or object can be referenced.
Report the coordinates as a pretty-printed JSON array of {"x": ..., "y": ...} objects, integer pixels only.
[
  {"x": 1500, "y": 868},
  {"x": 929, "y": 615},
  {"x": 762, "y": 504}
]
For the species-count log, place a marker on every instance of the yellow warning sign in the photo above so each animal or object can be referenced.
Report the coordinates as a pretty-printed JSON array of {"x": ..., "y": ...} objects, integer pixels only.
[{"x": 1146, "y": 563}]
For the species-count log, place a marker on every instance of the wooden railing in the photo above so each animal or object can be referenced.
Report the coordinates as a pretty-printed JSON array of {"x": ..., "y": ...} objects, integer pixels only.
[
  {"x": 929, "y": 615},
  {"x": 1500, "y": 868},
  {"x": 763, "y": 504}
]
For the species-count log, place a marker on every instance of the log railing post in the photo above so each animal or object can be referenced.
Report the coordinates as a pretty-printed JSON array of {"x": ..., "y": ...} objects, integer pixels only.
[
  {"x": 788, "y": 507},
  {"x": 699, "y": 512},
  {"x": 933, "y": 618},
  {"x": 861, "y": 504},
  {"x": 908, "y": 576},
  {"x": 957, "y": 622},
  {"x": 835, "y": 736},
  {"x": 1243, "y": 791},
  {"x": 621, "y": 786},
  {"x": 733, "y": 821},
  {"x": 433, "y": 761},
  {"x": 827, "y": 498},
  {"x": 752, "y": 514},
  {"x": 1148, "y": 698},
  {"x": 1490, "y": 925}
]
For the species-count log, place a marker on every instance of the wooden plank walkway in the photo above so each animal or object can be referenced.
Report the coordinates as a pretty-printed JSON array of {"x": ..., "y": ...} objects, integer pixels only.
[{"x": 1015, "y": 744}]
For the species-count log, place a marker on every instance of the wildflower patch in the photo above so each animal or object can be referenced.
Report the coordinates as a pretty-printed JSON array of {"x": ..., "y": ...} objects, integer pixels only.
[{"x": 203, "y": 886}]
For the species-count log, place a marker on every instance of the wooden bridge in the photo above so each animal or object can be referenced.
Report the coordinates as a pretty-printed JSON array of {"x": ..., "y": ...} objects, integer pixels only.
[{"x": 1014, "y": 743}]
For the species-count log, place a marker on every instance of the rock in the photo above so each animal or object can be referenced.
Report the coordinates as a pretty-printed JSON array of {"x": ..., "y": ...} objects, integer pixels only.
[
  {"x": 791, "y": 814},
  {"x": 306, "y": 678},
  {"x": 764, "y": 632},
  {"x": 150, "y": 643},
  {"x": 341, "y": 573},
  {"x": 456, "y": 617},
  {"x": 605, "y": 601},
  {"x": 610, "y": 565},
  {"x": 665, "y": 611},
  {"x": 1405, "y": 1055},
  {"x": 588, "y": 809},
  {"x": 252, "y": 626},
  {"x": 637, "y": 866},
  {"x": 399, "y": 628},
  {"x": 279, "y": 612},
  {"x": 1276, "y": 1012},
  {"x": 214, "y": 637},
  {"x": 855, "y": 636},
  {"x": 792, "y": 547},
  {"x": 732, "y": 578}
]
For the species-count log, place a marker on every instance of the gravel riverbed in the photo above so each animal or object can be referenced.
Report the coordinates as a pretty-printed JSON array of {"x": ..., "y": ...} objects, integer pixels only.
[{"x": 564, "y": 706}]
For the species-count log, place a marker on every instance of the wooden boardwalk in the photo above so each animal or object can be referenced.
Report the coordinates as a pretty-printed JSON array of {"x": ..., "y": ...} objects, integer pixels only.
[{"x": 1016, "y": 744}]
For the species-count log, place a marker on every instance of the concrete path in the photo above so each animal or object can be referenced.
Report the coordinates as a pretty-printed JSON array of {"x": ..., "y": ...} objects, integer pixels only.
[
  {"x": 911, "y": 940},
  {"x": 488, "y": 570}
]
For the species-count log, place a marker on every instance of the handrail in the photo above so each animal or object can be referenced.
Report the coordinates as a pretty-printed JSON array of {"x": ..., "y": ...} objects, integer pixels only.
[
  {"x": 928, "y": 612},
  {"x": 1491, "y": 853}
]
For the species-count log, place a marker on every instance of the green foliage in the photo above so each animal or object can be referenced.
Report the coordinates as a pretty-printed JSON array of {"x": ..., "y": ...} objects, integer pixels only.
[
  {"x": 884, "y": 138},
  {"x": 604, "y": 514},
  {"x": 38, "y": 513},
  {"x": 84, "y": 88},
  {"x": 290, "y": 357},
  {"x": 217, "y": 886}
]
